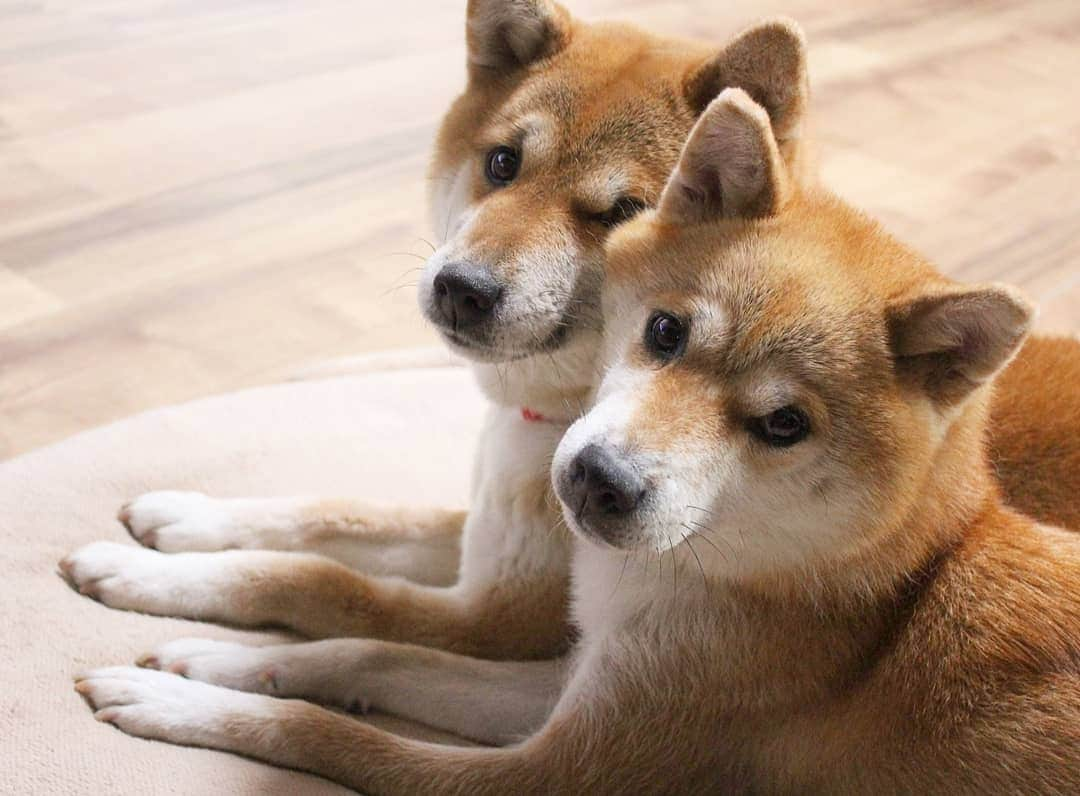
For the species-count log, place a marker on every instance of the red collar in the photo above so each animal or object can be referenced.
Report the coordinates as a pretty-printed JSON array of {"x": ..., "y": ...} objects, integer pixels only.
[{"x": 529, "y": 416}]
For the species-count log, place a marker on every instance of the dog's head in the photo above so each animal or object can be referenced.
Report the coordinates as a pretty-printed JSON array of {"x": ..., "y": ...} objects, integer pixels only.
[
  {"x": 565, "y": 131},
  {"x": 784, "y": 382}
]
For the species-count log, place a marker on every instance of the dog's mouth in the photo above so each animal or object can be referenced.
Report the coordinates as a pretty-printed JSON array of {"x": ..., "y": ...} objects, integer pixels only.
[
  {"x": 477, "y": 350},
  {"x": 613, "y": 535},
  {"x": 486, "y": 350}
]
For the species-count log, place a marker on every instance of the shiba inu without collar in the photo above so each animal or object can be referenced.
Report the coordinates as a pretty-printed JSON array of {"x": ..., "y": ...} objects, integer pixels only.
[{"x": 792, "y": 421}]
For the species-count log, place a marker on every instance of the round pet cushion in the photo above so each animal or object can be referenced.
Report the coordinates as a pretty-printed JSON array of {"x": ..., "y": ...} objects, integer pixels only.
[{"x": 395, "y": 435}]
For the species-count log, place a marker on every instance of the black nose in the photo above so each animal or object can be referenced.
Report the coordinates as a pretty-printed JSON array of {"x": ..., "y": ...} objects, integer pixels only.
[
  {"x": 599, "y": 484},
  {"x": 465, "y": 295}
]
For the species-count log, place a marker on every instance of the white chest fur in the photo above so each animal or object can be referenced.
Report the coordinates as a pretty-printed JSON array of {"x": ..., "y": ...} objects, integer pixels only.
[{"x": 514, "y": 526}]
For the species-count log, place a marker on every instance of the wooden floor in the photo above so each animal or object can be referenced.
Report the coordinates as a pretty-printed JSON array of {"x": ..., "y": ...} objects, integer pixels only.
[{"x": 197, "y": 195}]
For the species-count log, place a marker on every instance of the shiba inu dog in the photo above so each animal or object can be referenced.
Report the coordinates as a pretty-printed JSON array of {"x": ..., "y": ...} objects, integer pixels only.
[
  {"x": 564, "y": 132},
  {"x": 794, "y": 570}
]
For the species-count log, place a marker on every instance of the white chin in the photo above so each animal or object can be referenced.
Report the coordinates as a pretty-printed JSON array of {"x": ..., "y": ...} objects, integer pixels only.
[
  {"x": 474, "y": 352},
  {"x": 478, "y": 352}
]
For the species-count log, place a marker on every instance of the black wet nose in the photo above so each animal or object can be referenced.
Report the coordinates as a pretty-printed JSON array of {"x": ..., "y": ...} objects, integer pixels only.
[
  {"x": 600, "y": 484},
  {"x": 465, "y": 295}
]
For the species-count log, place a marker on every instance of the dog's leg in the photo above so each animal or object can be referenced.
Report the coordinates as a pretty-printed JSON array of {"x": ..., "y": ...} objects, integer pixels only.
[
  {"x": 581, "y": 751},
  {"x": 518, "y": 618},
  {"x": 423, "y": 545},
  {"x": 493, "y": 702}
]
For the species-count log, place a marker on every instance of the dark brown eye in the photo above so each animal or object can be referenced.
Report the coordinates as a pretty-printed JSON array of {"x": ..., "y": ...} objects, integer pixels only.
[
  {"x": 623, "y": 210},
  {"x": 502, "y": 166},
  {"x": 665, "y": 335},
  {"x": 782, "y": 428}
]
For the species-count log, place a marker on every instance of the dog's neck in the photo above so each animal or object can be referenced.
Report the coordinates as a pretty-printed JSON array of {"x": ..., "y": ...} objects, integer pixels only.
[{"x": 555, "y": 386}]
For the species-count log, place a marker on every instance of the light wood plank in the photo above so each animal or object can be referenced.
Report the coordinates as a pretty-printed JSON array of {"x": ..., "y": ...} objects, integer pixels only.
[{"x": 200, "y": 195}]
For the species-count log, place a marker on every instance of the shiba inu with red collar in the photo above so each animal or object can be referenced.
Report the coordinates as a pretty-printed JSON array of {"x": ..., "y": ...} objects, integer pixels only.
[
  {"x": 565, "y": 131},
  {"x": 794, "y": 571}
]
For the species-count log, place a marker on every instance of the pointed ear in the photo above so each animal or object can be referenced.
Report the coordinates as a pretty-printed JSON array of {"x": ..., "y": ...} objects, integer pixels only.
[
  {"x": 730, "y": 166},
  {"x": 767, "y": 61},
  {"x": 950, "y": 342},
  {"x": 504, "y": 35}
]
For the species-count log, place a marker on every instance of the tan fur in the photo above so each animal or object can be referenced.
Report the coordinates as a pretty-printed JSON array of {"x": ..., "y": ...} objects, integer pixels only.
[
  {"x": 323, "y": 599},
  {"x": 735, "y": 185},
  {"x": 941, "y": 653},
  {"x": 421, "y": 544},
  {"x": 623, "y": 100},
  {"x": 930, "y": 645},
  {"x": 607, "y": 107},
  {"x": 1033, "y": 439},
  {"x": 1036, "y": 456}
]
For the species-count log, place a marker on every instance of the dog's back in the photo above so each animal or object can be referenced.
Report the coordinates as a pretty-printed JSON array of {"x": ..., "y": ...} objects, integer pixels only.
[{"x": 1033, "y": 439}]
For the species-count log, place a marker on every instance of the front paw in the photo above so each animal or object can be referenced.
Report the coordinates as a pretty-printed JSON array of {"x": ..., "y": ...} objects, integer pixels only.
[
  {"x": 176, "y": 522},
  {"x": 120, "y": 576},
  {"x": 152, "y": 704},
  {"x": 223, "y": 663}
]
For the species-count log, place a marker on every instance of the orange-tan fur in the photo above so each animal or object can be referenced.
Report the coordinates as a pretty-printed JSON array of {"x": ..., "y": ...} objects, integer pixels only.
[
  {"x": 612, "y": 105},
  {"x": 620, "y": 101},
  {"x": 868, "y": 616},
  {"x": 937, "y": 647},
  {"x": 608, "y": 106},
  {"x": 1033, "y": 441}
]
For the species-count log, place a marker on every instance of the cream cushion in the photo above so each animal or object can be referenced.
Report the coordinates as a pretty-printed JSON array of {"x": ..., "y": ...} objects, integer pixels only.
[{"x": 399, "y": 434}]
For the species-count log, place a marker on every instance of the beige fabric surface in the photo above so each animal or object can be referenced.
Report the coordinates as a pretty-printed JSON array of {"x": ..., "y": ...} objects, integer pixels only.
[{"x": 400, "y": 435}]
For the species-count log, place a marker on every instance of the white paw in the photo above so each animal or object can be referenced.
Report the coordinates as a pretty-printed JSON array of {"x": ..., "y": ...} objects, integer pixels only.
[
  {"x": 167, "y": 707},
  {"x": 124, "y": 576},
  {"x": 176, "y": 522},
  {"x": 223, "y": 663}
]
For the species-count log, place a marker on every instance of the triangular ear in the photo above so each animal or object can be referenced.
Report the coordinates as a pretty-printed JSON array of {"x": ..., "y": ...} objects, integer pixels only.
[
  {"x": 767, "y": 61},
  {"x": 504, "y": 35},
  {"x": 730, "y": 166},
  {"x": 950, "y": 342}
]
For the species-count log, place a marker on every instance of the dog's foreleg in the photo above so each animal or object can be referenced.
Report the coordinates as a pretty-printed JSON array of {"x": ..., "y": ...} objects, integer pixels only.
[
  {"x": 570, "y": 754},
  {"x": 423, "y": 545},
  {"x": 521, "y": 618},
  {"x": 493, "y": 702}
]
